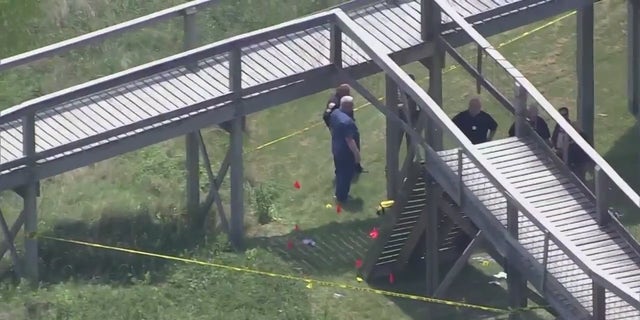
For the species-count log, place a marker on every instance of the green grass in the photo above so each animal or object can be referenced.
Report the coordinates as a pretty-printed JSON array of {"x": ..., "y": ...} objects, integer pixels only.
[{"x": 137, "y": 199}]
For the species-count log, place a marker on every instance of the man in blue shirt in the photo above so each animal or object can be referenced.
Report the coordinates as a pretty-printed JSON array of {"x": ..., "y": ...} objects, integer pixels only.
[{"x": 346, "y": 154}]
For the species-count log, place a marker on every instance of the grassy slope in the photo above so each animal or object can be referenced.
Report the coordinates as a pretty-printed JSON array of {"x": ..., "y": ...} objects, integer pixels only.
[{"x": 137, "y": 199}]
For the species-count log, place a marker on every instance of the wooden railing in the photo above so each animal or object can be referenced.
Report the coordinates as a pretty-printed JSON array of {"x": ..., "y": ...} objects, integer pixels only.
[{"x": 373, "y": 48}]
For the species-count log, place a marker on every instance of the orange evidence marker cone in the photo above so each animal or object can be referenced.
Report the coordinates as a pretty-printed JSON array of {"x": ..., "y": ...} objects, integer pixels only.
[
  {"x": 289, "y": 244},
  {"x": 296, "y": 184},
  {"x": 358, "y": 263},
  {"x": 392, "y": 279},
  {"x": 296, "y": 228},
  {"x": 338, "y": 208}
]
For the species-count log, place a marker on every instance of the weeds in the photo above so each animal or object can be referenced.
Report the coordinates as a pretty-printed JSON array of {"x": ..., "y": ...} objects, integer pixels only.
[{"x": 263, "y": 199}]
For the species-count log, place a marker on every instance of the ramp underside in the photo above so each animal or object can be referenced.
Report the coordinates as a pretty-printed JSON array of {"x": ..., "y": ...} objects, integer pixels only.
[
  {"x": 163, "y": 97},
  {"x": 562, "y": 205}
]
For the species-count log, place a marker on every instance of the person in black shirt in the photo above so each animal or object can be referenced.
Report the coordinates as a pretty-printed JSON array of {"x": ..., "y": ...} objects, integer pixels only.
[
  {"x": 537, "y": 123},
  {"x": 476, "y": 124}
]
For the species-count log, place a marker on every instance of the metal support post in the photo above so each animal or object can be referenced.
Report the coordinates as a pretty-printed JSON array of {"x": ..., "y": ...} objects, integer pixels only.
[
  {"x": 585, "y": 70},
  {"x": 8, "y": 238},
  {"x": 392, "y": 146},
  {"x": 520, "y": 106},
  {"x": 30, "y": 201},
  {"x": 236, "y": 227},
  {"x": 517, "y": 284},
  {"x": 602, "y": 193}
]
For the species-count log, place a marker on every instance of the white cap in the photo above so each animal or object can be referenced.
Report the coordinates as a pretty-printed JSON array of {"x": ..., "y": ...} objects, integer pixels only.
[{"x": 346, "y": 99}]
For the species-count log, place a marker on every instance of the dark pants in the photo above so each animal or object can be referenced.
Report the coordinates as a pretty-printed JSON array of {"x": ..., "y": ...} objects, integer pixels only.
[{"x": 345, "y": 170}]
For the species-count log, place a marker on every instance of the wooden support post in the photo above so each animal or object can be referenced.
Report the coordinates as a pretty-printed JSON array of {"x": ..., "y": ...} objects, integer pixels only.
[
  {"x": 458, "y": 265},
  {"x": 602, "y": 195},
  {"x": 392, "y": 146},
  {"x": 431, "y": 26},
  {"x": 585, "y": 70},
  {"x": 633, "y": 55},
  {"x": 598, "y": 301},
  {"x": 431, "y": 258},
  {"x": 30, "y": 201},
  {"x": 520, "y": 106},
  {"x": 190, "y": 37},
  {"x": 517, "y": 284},
  {"x": 336, "y": 46},
  {"x": 236, "y": 234},
  {"x": 192, "y": 163}
]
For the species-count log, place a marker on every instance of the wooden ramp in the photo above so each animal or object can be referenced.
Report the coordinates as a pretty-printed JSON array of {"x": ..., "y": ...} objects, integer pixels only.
[
  {"x": 164, "y": 99},
  {"x": 566, "y": 207}
]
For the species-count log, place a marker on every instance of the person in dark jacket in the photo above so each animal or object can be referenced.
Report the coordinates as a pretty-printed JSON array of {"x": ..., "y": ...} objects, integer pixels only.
[{"x": 537, "y": 123}]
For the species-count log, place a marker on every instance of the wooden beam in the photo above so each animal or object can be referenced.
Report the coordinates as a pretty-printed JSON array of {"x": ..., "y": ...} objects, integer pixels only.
[
  {"x": 8, "y": 238},
  {"x": 585, "y": 70},
  {"x": 431, "y": 259},
  {"x": 633, "y": 56},
  {"x": 516, "y": 281},
  {"x": 602, "y": 195},
  {"x": 214, "y": 187},
  {"x": 454, "y": 271},
  {"x": 236, "y": 232},
  {"x": 392, "y": 147},
  {"x": 17, "y": 225},
  {"x": 598, "y": 301},
  {"x": 192, "y": 165}
]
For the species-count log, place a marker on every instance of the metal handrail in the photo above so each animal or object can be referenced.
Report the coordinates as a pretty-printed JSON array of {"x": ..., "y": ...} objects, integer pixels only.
[
  {"x": 102, "y": 34},
  {"x": 372, "y": 47},
  {"x": 541, "y": 101}
]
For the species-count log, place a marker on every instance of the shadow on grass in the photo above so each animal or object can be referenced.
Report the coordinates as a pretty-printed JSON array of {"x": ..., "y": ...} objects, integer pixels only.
[
  {"x": 339, "y": 245},
  {"x": 62, "y": 261},
  {"x": 624, "y": 157}
]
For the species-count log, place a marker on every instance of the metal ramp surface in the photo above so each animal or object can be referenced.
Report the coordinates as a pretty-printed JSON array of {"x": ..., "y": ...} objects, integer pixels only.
[
  {"x": 164, "y": 99},
  {"x": 560, "y": 204}
]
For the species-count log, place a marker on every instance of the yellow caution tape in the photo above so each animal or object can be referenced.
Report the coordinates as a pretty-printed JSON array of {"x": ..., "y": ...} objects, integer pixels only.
[{"x": 310, "y": 282}]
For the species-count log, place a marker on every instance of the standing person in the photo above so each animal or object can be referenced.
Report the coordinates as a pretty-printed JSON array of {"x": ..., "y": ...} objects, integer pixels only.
[
  {"x": 476, "y": 124},
  {"x": 578, "y": 160},
  {"x": 559, "y": 138},
  {"x": 537, "y": 123},
  {"x": 413, "y": 112},
  {"x": 342, "y": 90},
  {"x": 346, "y": 154}
]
